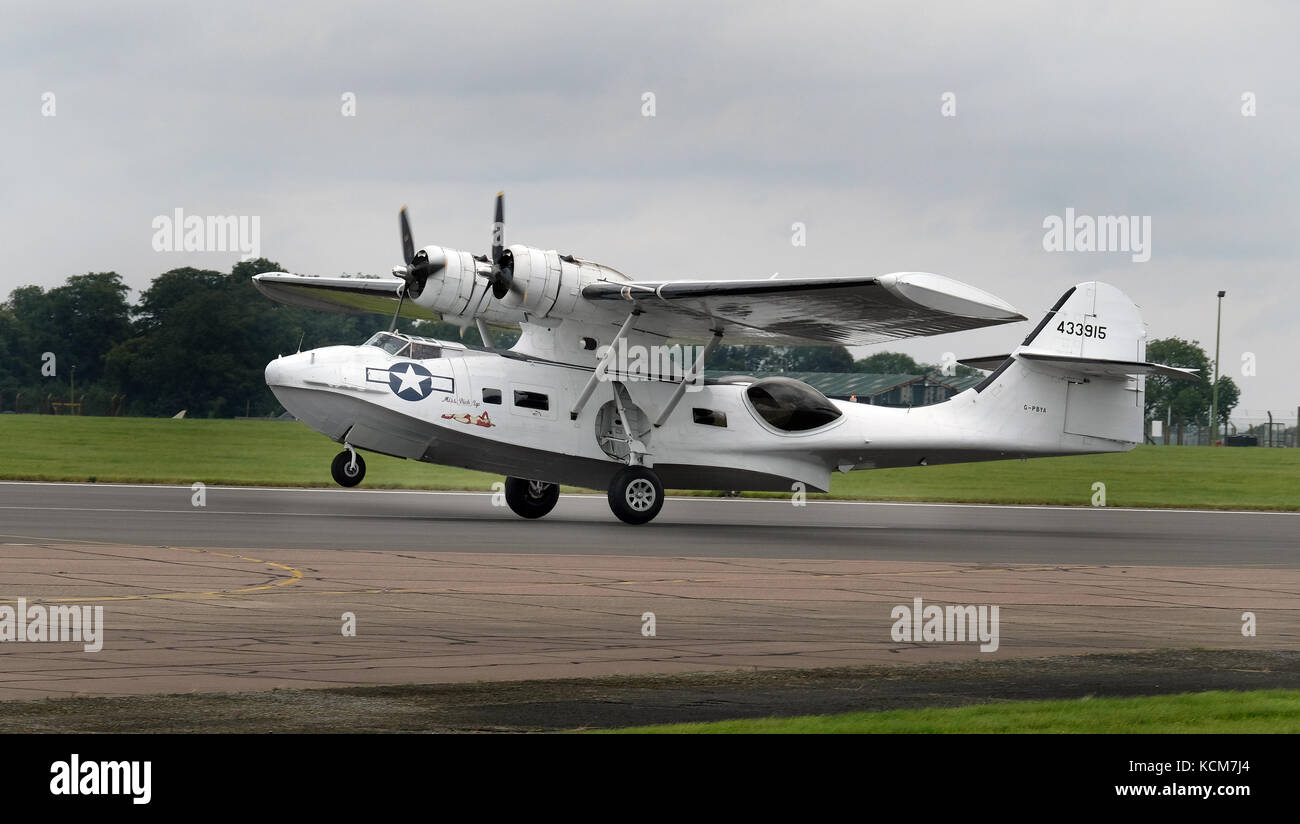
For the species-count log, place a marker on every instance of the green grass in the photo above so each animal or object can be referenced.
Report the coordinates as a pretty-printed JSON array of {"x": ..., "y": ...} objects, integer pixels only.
[
  {"x": 1198, "y": 477},
  {"x": 274, "y": 453},
  {"x": 1264, "y": 711},
  {"x": 162, "y": 450}
]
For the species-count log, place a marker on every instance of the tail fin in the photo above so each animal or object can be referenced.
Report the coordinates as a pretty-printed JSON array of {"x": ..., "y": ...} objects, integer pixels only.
[
  {"x": 1092, "y": 321},
  {"x": 1087, "y": 358}
]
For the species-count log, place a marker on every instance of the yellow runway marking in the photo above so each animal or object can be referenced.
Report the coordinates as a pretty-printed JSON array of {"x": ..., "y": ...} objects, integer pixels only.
[{"x": 295, "y": 576}]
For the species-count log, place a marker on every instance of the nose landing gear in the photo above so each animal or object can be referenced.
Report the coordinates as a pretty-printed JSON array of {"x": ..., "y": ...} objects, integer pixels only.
[
  {"x": 348, "y": 468},
  {"x": 531, "y": 499}
]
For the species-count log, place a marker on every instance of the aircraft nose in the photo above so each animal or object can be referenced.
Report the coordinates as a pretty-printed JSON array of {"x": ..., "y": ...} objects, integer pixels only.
[{"x": 275, "y": 372}]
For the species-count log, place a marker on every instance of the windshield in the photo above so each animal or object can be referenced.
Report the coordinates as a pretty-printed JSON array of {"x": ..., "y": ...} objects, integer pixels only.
[{"x": 391, "y": 344}]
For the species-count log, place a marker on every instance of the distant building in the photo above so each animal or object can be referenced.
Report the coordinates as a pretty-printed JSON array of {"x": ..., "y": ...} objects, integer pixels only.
[{"x": 877, "y": 390}]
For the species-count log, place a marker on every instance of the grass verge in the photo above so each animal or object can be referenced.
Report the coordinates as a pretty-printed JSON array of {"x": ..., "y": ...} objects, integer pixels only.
[
  {"x": 275, "y": 453},
  {"x": 1264, "y": 711}
]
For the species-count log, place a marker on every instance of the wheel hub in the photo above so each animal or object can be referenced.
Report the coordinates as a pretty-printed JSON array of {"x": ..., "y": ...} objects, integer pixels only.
[{"x": 640, "y": 495}]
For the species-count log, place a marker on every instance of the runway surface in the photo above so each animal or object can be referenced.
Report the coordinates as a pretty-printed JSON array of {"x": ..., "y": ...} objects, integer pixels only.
[
  {"x": 249, "y": 591},
  {"x": 687, "y": 527}
]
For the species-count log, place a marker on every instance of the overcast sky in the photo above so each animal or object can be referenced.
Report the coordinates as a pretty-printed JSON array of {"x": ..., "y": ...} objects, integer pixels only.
[{"x": 766, "y": 114}]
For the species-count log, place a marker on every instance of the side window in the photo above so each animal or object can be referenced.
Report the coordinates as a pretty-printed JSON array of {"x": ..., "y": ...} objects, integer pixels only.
[
  {"x": 424, "y": 351},
  {"x": 791, "y": 405},
  {"x": 531, "y": 400},
  {"x": 492, "y": 396},
  {"x": 709, "y": 417}
]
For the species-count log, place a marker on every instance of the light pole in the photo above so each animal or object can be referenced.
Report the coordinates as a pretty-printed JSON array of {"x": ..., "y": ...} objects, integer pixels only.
[{"x": 1214, "y": 390}]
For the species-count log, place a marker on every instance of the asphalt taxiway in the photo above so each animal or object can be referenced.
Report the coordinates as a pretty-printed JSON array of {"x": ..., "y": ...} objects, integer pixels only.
[
  {"x": 408, "y": 521},
  {"x": 250, "y": 590}
]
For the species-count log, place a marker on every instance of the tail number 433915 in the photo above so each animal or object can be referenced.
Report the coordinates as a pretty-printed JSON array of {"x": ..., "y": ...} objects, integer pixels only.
[{"x": 1083, "y": 330}]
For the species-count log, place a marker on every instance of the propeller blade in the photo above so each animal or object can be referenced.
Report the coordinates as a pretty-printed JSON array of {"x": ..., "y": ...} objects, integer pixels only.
[
  {"x": 499, "y": 230},
  {"x": 418, "y": 269},
  {"x": 408, "y": 244}
]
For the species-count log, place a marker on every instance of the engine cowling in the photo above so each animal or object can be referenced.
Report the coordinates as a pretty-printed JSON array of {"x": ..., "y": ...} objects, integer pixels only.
[
  {"x": 545, "y": 283},
  {"x": 536, "y": 276},
  {"x": 452, "y": 285}
]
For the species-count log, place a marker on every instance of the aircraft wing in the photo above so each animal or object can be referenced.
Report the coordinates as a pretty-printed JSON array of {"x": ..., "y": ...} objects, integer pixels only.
[
  {"x": 853, "y": 311},
  {"x": 358, "y": 296}
]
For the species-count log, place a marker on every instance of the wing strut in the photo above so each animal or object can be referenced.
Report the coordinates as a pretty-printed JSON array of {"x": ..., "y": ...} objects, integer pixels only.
[
  {"x": 483, "y": 333},
  {"x": 600, "y": 367},
  {"x": 697, "y": 369}
]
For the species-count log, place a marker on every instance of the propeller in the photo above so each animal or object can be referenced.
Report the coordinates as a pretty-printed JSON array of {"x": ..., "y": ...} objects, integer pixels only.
[
  {"x": 416, "y": 272},
  {"x": 502, "y": 276},
  {"x": 418, "y": 268}
]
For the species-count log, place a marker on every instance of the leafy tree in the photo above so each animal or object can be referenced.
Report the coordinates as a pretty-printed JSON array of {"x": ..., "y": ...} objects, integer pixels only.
[
  {"x": 889, "y": 363},
  {"x": 754, "y": 358},
  {"x": 203, "y": 339},
  {"x": 9, "y": 353},
  {"x": 79, "y": 322},
  {"x": 897, "y": 363},
  {"x": 1229, "y": 396},
  {"x": 1186, "y": 401},
  {"x": 819, "y": 359},
  {"x": 443, "y": 330}
]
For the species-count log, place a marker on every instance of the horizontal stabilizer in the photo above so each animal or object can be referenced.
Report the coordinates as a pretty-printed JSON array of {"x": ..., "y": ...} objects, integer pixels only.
[
  {"x": 988, "y": 363},
  {"x": 1106, "y": 368}
]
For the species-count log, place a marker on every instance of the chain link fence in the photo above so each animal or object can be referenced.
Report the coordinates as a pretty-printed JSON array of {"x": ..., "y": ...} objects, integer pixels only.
[{"x": 1245, "y": 428}]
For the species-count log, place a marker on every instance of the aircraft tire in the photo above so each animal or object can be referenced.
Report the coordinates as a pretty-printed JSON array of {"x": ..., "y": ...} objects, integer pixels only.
[
  {"x": 531, "y": 499},
  {"x": 636, "y": 495},
  {"x": 343, "y": 474}
]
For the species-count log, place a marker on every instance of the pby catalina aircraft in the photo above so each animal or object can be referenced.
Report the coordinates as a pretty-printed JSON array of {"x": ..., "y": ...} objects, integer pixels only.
[{"x": 565, "y": 406}]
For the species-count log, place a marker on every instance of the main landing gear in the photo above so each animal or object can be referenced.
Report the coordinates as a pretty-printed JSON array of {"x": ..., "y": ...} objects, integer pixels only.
[
  {"x": 348, "y": 468},
  {"x": 531, "y": 499},
  {"x": 636, "y": 495}
]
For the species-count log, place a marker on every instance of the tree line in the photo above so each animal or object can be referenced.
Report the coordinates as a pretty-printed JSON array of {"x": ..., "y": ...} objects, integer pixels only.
[{"x": 199, "y": 340}]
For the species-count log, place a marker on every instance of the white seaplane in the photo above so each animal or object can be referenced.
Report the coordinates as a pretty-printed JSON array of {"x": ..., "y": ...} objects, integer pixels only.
[{"x": 565, "y": 405}]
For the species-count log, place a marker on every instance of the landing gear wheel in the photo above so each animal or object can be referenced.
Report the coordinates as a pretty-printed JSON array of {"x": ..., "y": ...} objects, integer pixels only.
[
  {"x": 636, "y": 495},
  {"x": 531, "y": 499},
  {"x": 345, "y": 472}
]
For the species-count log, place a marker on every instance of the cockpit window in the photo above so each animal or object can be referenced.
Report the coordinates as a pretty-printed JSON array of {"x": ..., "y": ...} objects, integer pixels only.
[
  {"x": 424, "y": 351},
  {"x": 391, "y": 344},
  {"x": 791, "y": 405}
]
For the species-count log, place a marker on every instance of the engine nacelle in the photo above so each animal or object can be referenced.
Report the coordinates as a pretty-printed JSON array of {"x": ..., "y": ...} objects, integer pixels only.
[
  {"x": 454, "y": 282},
  {"x": 545, "y": 283}
]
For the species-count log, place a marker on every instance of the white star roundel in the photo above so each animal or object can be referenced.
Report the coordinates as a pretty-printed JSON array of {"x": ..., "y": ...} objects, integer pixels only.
[{"x": 410, "y": 381}]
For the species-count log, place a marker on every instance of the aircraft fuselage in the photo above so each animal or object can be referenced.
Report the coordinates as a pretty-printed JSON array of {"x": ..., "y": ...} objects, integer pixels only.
[{"x": 511, "y": 414}]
